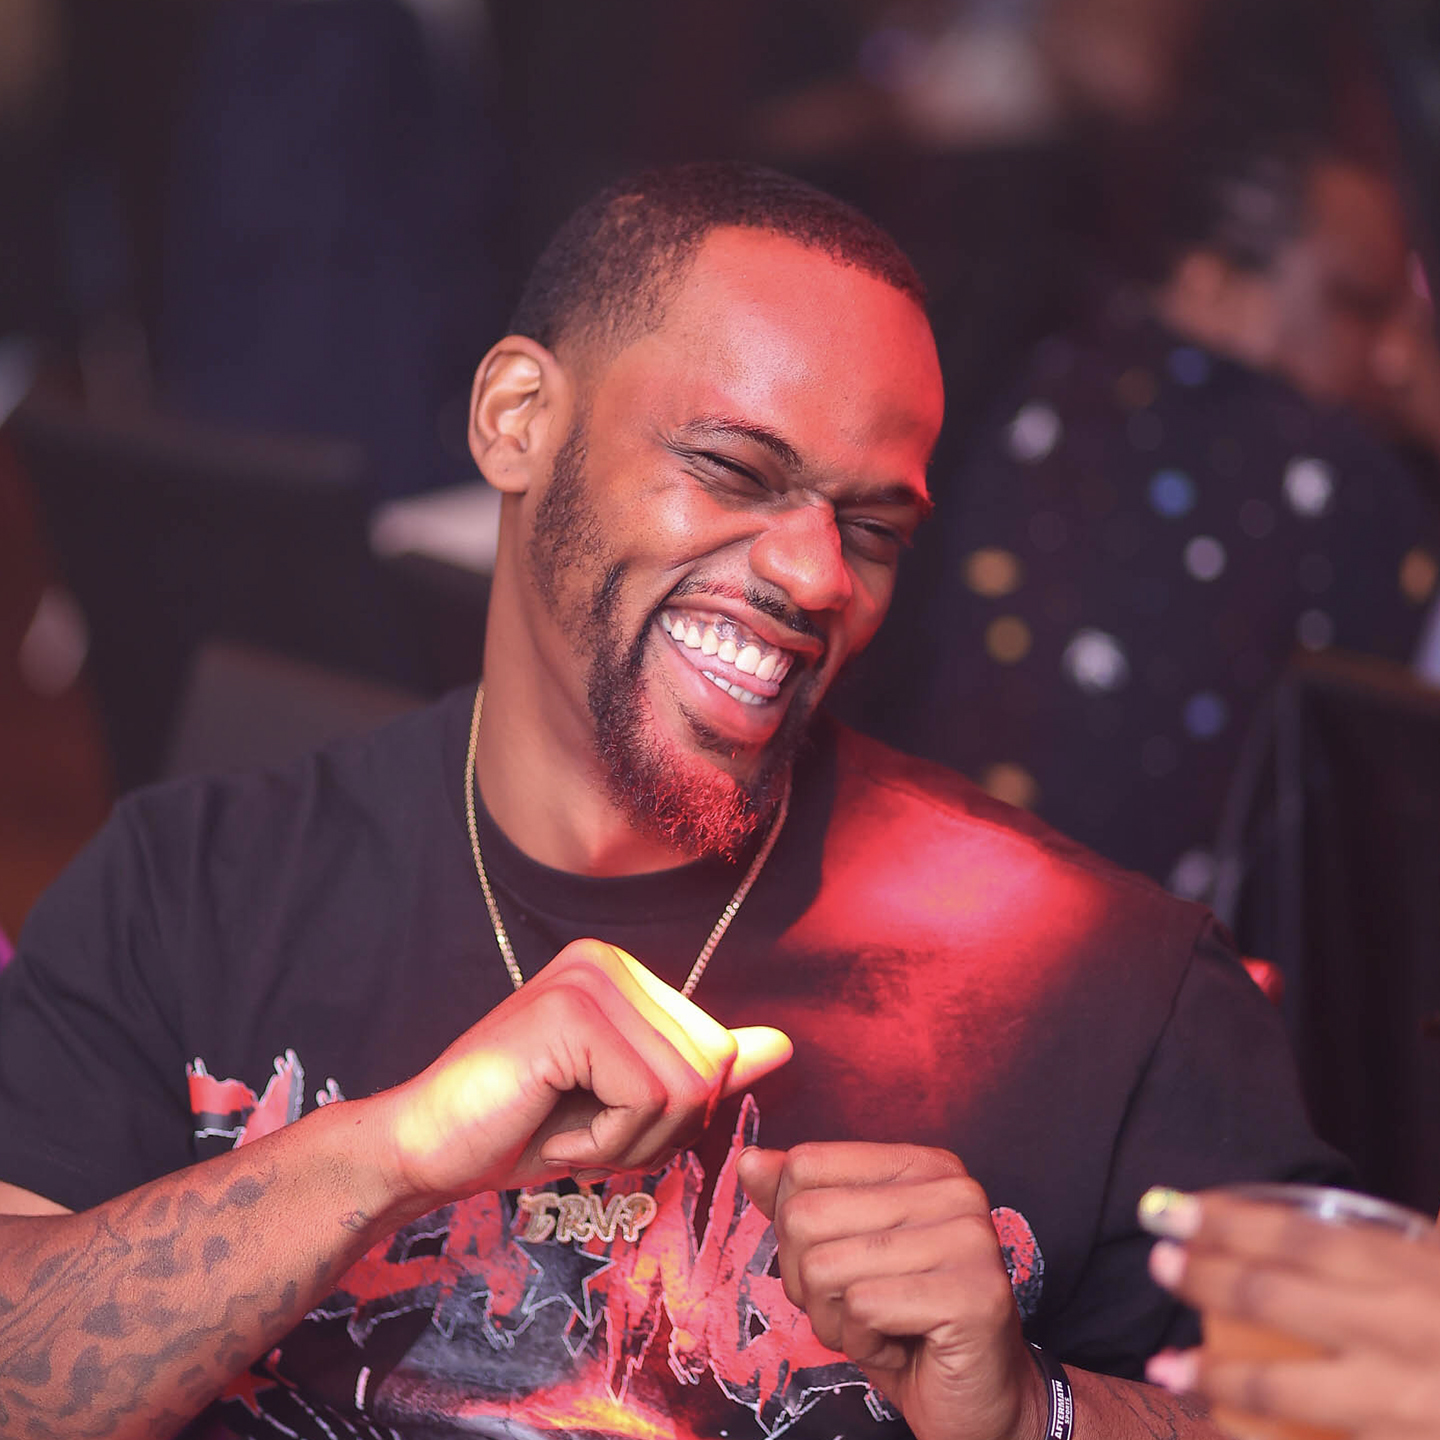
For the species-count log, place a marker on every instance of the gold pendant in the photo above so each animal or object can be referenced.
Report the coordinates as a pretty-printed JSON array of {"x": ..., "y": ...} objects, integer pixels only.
[{"x": 583, "y": 1216}]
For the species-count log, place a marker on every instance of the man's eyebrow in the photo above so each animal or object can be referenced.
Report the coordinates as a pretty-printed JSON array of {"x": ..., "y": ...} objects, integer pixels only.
[{"x": 721, "y": 427}]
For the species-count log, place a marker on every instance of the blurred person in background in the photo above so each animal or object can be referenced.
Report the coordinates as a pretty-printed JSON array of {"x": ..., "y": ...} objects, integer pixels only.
[
  {"x": 1181, "y": 490},
  {"x": 983, "y": 132}
]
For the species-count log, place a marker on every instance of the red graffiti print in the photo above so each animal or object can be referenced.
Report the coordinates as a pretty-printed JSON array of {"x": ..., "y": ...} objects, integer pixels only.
[{"x": 604, "y": 1271}]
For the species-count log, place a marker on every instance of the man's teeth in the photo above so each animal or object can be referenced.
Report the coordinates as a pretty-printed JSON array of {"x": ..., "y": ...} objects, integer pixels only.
[
  {"x": 748, "y": 657},
  {"x": 741, "y": 694}
]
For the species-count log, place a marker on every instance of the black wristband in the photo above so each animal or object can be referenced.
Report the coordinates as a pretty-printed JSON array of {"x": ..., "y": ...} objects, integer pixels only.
[{"x": 1061, "y": 1423}]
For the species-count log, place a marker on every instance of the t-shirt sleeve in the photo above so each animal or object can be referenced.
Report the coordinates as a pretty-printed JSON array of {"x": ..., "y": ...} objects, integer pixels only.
[
  {"x": 1218, "y": 1102},
  {"x": 92, "y": 1099}
]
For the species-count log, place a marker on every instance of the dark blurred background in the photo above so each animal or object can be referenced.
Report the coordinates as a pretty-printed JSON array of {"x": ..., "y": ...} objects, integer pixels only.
[{"x": 1178, "y": 595}]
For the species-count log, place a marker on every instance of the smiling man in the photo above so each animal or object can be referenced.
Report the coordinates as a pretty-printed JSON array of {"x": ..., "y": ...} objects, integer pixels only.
[
  {"x": 237, "y": 1183},
  {"x": 704, "y": 523}
]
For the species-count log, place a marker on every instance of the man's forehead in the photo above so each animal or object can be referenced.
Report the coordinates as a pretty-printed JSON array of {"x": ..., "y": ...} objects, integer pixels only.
[
  {"x": 751, "y": 253},
  {"x": 797, "y": 353},
  {"x": 766, "y": 294}
]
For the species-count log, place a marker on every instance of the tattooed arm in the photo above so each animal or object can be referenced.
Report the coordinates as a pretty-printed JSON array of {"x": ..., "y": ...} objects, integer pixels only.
[{"x": 127, "y": 1319}]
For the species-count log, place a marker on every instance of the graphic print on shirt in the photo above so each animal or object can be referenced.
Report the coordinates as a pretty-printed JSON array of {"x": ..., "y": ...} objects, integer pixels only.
[{"x": 567, "y": 1311}]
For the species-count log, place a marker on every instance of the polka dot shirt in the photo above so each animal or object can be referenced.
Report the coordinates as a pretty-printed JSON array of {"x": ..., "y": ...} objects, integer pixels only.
[{"x": 1118, "y": 568}]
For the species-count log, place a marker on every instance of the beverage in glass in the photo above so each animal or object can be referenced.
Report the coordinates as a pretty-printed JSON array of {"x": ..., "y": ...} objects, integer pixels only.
[{"x": 1227, "y": 1338}]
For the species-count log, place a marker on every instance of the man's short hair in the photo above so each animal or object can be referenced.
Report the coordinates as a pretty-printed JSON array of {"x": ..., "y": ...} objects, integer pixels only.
[
  {"x": 607, "y": 274},
  {"x": 1247, "y": 202},
  {"x": 1238, "y": 192}
]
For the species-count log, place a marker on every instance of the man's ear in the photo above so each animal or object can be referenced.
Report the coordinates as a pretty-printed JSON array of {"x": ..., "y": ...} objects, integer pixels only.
[{"x": 519, "y": 411}]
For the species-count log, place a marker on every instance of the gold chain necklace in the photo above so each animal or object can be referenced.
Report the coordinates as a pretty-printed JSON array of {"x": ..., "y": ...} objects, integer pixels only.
[{"x": 502, "y": 936}]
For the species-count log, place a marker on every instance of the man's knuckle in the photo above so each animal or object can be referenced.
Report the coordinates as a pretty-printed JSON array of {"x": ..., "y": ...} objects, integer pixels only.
[
  {"x": 981, "y": 1304},
  {"x": 587, "y": 953},
  {"x": 881, "y": 1243},
  {"x": 932, "y": 1160},
  {"x": 972, "y": 1236},
  {"x": 863, "y": 1305},
  {"x": 794, "y": 1217},
  {"x": 568, "y": 1004},
  {"x": 964, "y": 1196},
  {"x": 813, "y": 1272},
  {"x": 804, "y": 1161},
  {"x": 690, "y": 1092}
]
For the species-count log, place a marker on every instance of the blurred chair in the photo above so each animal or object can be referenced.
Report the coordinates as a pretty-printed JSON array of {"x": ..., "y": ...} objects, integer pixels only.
[
  {"x": 169, "y": 535},
  {"x": 1331, "y": 866},
  {"x": 244, "y": 707}
]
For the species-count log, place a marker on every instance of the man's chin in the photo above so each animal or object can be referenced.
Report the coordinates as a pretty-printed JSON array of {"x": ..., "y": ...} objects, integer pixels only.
[
  {"x": 681, "y": 779},
  {"x": 688, "y": 795},
  {"x": 694, "y": 803}
]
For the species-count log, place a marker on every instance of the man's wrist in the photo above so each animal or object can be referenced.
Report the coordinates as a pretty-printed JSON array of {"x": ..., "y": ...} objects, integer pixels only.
[
  {"x": 355, "y": 1137},
  {"x": 1058, "y": 1407}
]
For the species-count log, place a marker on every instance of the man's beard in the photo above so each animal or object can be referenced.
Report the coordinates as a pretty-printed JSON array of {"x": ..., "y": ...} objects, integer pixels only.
[{"x": 693, "y": 806}]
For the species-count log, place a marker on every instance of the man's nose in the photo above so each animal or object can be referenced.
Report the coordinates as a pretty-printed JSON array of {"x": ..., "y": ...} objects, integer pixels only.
[{"x": 800, "y": 551}]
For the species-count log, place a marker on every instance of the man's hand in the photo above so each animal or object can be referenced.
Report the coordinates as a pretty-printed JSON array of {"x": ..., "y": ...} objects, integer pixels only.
[
  {"x": 1369, "y": 1300},
  {"x": 594, "y": 1066},
  {"x": 891, "y": 1252}
]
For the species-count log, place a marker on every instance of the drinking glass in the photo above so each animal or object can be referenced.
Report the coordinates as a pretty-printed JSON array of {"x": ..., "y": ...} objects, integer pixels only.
[{"x": 1227, "y": 1338}]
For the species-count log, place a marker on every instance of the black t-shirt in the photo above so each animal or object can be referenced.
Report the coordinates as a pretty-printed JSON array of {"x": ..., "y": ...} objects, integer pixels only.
[{"x": 230, "y": 953}]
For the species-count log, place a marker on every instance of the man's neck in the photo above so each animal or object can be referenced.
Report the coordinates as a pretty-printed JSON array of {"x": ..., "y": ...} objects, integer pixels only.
[{"x": 553, "y": 807}]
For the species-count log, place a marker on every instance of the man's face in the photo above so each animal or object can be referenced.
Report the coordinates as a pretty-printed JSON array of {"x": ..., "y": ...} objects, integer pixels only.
[
  {"x": 720, "y": 531},
  {"x": 1342, "y": 291}
]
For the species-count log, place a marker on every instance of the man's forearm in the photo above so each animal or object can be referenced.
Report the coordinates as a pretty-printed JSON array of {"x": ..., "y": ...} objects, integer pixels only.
[
  {"x": 1111, "y": 1409},
  {"x": 127, "y": 1319}
]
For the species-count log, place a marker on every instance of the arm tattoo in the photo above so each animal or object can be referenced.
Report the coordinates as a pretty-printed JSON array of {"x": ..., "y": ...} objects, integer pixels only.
[{"x": 89, "y": 1333}]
